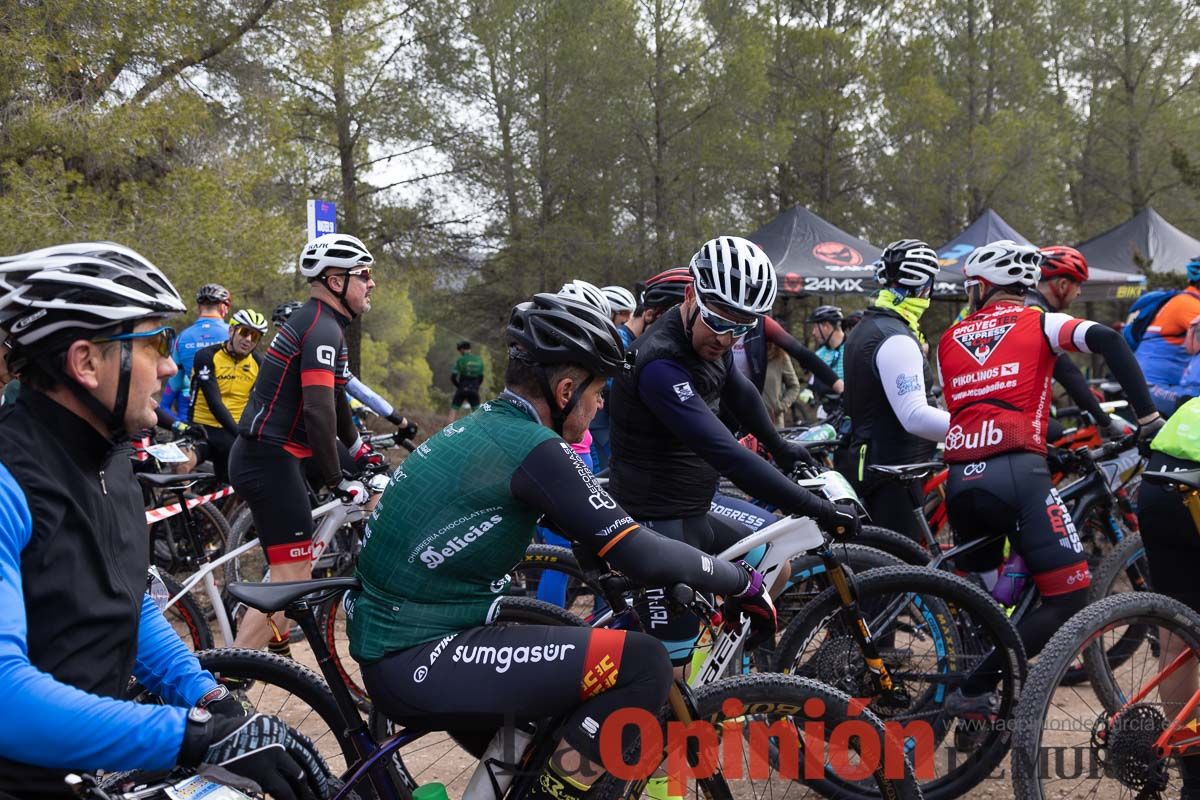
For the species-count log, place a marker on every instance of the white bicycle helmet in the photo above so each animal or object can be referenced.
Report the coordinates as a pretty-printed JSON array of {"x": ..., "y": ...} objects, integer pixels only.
[
  {"x": 907, "y": 262},
  {"x": 619, "y": 299},
  {"x": 82, "y": 289},
  {"x": 588, "y": 294},
  {"x": 249, "y": 318},
  {"x": 337, "y": 250},
  {"x": 1005, "y": 263},
  {"x": 736, "y": 274}
]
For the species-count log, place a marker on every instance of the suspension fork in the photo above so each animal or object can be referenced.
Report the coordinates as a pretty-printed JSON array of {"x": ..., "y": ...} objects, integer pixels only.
[{"x": 852, "y": 617}]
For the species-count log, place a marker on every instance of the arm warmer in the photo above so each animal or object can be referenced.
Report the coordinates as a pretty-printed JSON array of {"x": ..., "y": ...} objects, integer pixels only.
[
  {"x": 1120, "y": 359},
  {"x": 321, "y": 424},
  {"x": 554, "y": 480},
  {"x": 809, "y": 360},
  {"x": 1071, "y": 379},
  {"x": 48, "y": 723},
  {"x": 684, "y": 413},
  {"x": 365, "y": 395},
  {"x": 345, "y": 420},
  {"x": 901, "y": 370}
]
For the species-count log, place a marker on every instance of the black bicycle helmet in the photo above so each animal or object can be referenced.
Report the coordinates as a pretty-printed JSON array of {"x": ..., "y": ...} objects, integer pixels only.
[
  {"x": 463, "y": 345},
  {"x": 853, "y": 319},
  {"x": 283, "y": 311},
  {"x": 826, "y": 314},
  {"x": 550, "y": 329},
  {"x": 212, "y": 293},
  {"x": 666, "y": 288}
]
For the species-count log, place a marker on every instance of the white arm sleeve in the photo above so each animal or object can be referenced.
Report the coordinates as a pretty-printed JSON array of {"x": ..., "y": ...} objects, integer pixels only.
[
  {"x": 1065, "y": 333},
  {"x": 359, "y": 391},
  {"x": 902, "y": 371}
]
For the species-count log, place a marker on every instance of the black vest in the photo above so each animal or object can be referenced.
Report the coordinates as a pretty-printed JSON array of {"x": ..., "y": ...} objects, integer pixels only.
[
  {"x": 873, "y": 423},
  {"x": 654, "y": 474},
  {"x": 83, "y": 572}
]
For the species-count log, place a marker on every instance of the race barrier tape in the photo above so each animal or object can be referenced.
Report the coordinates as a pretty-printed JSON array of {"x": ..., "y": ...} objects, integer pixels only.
[{"x": 159, "y": 514}]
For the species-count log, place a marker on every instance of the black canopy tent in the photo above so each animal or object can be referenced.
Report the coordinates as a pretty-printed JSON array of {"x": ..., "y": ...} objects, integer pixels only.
[
  {"x": 1146, "y": 242},
  {"x": 1103, "y": 284},
  {"x": 813, "y": 256}
]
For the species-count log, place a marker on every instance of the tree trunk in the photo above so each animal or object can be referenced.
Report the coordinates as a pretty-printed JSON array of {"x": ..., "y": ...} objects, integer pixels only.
[
  {"x": 661, "y": 235},
  {"x": 343, "y": 123}
]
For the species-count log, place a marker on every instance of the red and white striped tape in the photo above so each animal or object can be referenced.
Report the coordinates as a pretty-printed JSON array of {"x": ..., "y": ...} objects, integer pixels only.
[{"x": 159, "y": 514}]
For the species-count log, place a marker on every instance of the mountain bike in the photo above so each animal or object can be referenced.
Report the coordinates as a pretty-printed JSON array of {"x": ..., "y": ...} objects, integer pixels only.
[{"x": 815, "y": 732}]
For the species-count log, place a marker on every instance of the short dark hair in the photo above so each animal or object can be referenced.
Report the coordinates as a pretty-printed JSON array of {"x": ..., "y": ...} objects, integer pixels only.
[
  {"x": 36, "y": 376},
  {"x": 520, "y": 374}
]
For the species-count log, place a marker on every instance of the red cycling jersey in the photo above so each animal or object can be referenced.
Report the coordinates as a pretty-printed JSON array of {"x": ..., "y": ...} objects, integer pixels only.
[{"x": 996, "y": 367}]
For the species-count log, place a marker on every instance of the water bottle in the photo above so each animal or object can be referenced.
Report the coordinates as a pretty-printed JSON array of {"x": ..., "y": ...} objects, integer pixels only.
[
  {"x": 506, "y": 748},
  {"x": 1010, "y": 579}
]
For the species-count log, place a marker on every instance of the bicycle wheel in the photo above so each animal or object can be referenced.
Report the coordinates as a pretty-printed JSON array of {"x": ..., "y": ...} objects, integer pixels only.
[
  {"x": 897, "y": 544},
  {"x": 1125, "y": 569},
  {"x": 790, "y": 735},
  {"x": 541, "y": 558},
  {"x": 186, "y": 617},
  {"x": 1066, "y": 735},
  {"x": 932, "y": 629},
  {"x": 171, "y": 547},
  {"x": 286, "y": 689}
]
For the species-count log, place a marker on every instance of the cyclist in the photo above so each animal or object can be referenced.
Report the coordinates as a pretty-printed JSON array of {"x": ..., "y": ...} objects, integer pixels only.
[
  {"x": 455, "y": 519},
  {"x": 222, "y": 377},
  {"x": 622, "y": 303},
  {"x": 996, "y": 367},
  {"x": 1162, "y": 353},
  {"x": 354, "y": 387},
  {"x": 297, "y": 412},
  {"x": 213, "y": 302},
  {"x": 750, "y": 355},
  {"x": 893, "y": 418},
  {"x": 86, "y": 326},
  {"x": 826, "y": 322},
  {"x": 467, "y": 377},
  {"x": 1064, "y": 271},
  {"x": 1172, "y": 546},
  {"x": 670, "y": 448}
]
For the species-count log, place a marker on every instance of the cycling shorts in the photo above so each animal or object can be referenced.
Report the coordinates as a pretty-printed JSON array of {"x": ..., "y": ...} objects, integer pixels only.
[
  {"x": 474, "y": 681},
  {"x": 1169, "y": 534},
  {"x": 679, "y": 632},
  {"x": 465, "y": 394},
  {"x": 1011, "y": 495},
  {"x": 271, "y": 481}
]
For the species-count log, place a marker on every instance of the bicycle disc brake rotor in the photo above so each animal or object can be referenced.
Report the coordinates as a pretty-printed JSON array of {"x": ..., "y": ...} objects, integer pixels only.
[{"x": 1124, "y": 747}]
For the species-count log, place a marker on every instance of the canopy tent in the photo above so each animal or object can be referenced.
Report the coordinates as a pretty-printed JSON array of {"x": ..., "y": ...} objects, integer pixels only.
[
  {"x": 813, "y": 256},
  {"x": 1103, "y": 284},
  {"x": 1143, "y": 243}
]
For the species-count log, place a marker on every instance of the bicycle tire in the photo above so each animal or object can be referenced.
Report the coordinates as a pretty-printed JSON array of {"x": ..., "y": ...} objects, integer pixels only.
[
  {"x": 790, "y": 697},
  {"x": 1153, "y": 610},
  {"x": 186, "y": 616},
  {"x": 212, "y": 529},
  {"x": 541, "y": 557},
  {"x": 958, "y": 603},
  {"x": 269, "y": 683},
  {"x": 897, "y": 544}
]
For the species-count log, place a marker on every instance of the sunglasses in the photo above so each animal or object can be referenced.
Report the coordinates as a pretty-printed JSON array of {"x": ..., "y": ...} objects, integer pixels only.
[
  {"x": 248, "y": 333},
  {"x": 362, "y": 273},
  {"x": 161, "y": 339},
  {"x": 721, "y": 325}
]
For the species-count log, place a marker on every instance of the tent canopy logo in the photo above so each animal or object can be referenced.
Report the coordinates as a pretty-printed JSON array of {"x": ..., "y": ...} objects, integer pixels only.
[{"x": 837, "y": 254}]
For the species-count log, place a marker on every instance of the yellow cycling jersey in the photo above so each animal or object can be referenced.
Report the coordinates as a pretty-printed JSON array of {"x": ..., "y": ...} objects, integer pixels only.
[{"x": 216, "y": 374}]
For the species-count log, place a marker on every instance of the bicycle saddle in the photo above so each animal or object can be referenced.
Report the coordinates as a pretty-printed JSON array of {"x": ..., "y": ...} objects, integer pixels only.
[
  {"x": 907, "y": 470},
  {"x": 161, "y": 479},
  {"x": 1189, "y": 478},
  {"x": 268, "y": 597}
]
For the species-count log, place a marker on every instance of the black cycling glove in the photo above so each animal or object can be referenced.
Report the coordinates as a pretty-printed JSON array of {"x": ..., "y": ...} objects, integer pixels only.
[
  {"x": 283, "y": 763},
  {"x": 791, "y": 454},
  {"x": 842, "y": 520}
]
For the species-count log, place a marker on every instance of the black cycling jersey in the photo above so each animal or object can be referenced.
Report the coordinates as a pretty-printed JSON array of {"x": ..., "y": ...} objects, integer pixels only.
[
  {"x": 670, "y": 448},
  {"x": 308, "y": 351}
]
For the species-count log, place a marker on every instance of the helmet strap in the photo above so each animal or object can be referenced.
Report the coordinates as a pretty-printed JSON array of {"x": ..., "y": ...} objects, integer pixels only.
[
  {"x": 342, "y": 294},
  {"x": 690, "y": 322},
  {"x": 112, "y": 418},
  {"x": 558, "y": 416}
]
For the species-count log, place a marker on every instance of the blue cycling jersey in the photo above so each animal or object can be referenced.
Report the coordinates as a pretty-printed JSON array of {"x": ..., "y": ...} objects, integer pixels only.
[{"x": 197, "y": 336}]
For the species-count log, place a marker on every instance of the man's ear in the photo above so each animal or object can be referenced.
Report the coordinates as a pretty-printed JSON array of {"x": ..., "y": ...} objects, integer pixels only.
[
  {"x": 82, "y": 363},
  {"x": 563, "y": 390}
]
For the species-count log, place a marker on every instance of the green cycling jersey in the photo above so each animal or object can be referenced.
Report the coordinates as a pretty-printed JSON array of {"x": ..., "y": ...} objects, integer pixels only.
[{"x": 468, "y": 367}]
